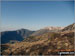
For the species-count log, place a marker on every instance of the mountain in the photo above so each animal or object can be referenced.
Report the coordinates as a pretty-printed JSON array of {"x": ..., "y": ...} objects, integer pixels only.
[
  {"x": 46, "y": 30},
  {"x": 48, "y": 43},
  {"x": 54, "y": 28},
  {"x": 50, "y": 31},
  {"x": 17, "y": 35},
  {"x": 69, "y": 28},
  {"x": 40, "y": 32}
]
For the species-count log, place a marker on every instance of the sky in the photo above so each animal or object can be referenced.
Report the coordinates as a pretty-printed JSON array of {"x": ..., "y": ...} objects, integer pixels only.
[{"x": 34, "y": 15}]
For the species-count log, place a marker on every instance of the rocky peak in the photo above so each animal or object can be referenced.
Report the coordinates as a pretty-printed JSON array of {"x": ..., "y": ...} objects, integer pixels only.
[{"x": 53, "y": 28}]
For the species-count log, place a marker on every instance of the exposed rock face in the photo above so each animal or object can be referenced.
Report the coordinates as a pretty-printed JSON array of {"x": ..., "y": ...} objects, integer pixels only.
[
  {"x": 69, "y": 28},
  {"x": 54, "y": 28}
]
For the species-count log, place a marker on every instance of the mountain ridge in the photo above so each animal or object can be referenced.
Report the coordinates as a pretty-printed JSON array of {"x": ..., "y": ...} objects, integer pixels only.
[
  {"x": 48, "y": 43},
  {"x": 18, "y": 35}
]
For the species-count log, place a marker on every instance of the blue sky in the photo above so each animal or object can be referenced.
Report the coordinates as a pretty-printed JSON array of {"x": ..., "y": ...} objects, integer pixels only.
[{"x": 34, "y": 15}]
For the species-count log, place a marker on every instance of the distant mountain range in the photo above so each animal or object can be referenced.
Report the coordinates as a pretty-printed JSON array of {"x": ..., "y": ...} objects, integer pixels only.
[
  {"x": 17, "y": 35},
  {"x": 21, "y": 34},
  {"x": 54, "y": 28},
  {"x": 47, "y": 29}
]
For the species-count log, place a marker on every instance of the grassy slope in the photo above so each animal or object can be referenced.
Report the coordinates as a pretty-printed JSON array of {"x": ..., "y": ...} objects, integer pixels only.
[{"x": 46, "y": 44}]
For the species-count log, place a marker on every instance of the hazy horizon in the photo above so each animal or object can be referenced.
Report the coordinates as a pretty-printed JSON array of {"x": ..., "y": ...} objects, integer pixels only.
[
  {"x": 35, "y": 15},
  {"x": 14, "y": 29}
]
